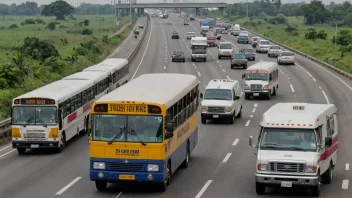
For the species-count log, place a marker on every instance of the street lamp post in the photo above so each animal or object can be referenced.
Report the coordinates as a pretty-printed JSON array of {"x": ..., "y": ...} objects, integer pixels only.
[
  {"x": 335, "y": 34},
  {"x": 247, "y": 9},
  {"x": 131, "y": 9}
]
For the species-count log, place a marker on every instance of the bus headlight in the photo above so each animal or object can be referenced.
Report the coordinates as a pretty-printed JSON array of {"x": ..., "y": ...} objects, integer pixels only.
[
  {"x": 99, "y": 165},
  {"x": 153, "y": 167}
]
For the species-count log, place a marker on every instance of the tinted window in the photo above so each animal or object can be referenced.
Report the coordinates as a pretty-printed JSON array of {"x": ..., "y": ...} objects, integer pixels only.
[
  {"x": 211, "y": 38},
  {"x": 178, "y": 52},
  {"x": 255, "y": 39},
  {"x": 243, "y": 38},
  {"x": 226, "y": 46},
  {"x": 286, "y": 54},
  {"x": 264, "y": 42},
  {"x": 238, "y": 56}
]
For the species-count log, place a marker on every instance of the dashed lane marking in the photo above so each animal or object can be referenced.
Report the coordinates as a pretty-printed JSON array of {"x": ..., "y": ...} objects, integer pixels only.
[
  {"x": 345, "y": 184},
  {"x": 201, "y": 192},
  {"x": 68, "y": 186},
  {"x": 8, "y": 153},
  {"x": 227, "y": 157},
  {"x": 347, "y": 167},
  {"x": 235, "y": 142},
  {"x": 253, "y": 110},
  {"x": 247, "y": 123},
  {"x": 292, "y": 88},
  {"x": 251, "y": 116},
  {"x": 314, "y": 79},
  {"x": 198, "y": 73},
  {"x": 164, "y": 67},
  {"x": 256, "y": 105}
]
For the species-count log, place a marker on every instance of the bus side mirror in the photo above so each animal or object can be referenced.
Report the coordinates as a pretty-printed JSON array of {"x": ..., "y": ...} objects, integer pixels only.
[
  {"x": 201, "y": 95},
  {"x": 328, "y": 141},
  {"x": 169, "y": 130},
  {"x": 60, "y": 118}
]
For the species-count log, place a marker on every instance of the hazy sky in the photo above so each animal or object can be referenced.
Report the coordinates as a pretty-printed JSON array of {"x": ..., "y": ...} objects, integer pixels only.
[{"x": 74, "y": 2}]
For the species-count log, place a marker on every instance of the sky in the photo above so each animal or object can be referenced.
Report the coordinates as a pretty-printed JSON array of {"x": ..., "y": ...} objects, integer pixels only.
[{"x": 75, "y": 2}]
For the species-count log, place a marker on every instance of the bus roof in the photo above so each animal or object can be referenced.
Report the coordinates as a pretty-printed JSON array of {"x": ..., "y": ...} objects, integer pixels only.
[
  {"x": 96, "y": 76},
  {"x": 109, "y": 65},
  {"x": 59, "y": 90},
  {"x": 265, "y": 65},
  {"x": 159, "y": 88},
  {"x": 297, "y": 115}
]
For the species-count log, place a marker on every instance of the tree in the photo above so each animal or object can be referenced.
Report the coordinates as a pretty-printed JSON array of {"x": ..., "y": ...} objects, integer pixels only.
[
  {"x": 315, "y": 12},
  {"x": 59, "y": 8},
  {"x": 86, "y": 22},
  {"x": 20, "y": 64}
]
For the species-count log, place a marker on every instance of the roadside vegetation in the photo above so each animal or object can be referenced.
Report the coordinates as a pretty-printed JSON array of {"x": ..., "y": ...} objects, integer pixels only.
[
  {"x": 36, "y": 50},
  {"x": 309, "y": 28}
]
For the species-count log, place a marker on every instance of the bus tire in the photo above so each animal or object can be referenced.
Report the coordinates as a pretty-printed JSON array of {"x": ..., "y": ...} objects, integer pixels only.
[
  {"x": 62, "y": 143},
  {"x": 166, "y": 183},
  {"x": 21, "y": 151},
  {"x": 101, "y": 185},
  {"x": 185, "y": 162}
]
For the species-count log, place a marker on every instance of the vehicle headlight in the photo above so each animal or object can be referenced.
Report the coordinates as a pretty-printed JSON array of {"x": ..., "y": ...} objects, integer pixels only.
[
  {"x": 262, "y": 167},
  {"x": 153, "y": 167},
  {"x": 246, "y": 86},
  {"x": 220, "y": 52},
  {"x": 311, "y": 169},
  {"x": 99, "y": 165},
  {"x": 228, "y": 109},
  {"x": 204, "y": 108},
  {"x": 266, "y": 87}
]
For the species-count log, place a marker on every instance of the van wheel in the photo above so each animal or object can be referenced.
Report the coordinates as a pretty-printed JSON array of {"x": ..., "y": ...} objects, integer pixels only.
[
  {"x": 274, "y": 93},
  {"x": 269, "y": 94},
  {"x": 101, "y": 185},
  {"x": 219, "y": 57},
  {"x": 232, "y": 119},
  {"x": 328, "y": 175},
  {"x": 185, "y": 162},
  {"x": 260, "y": 188},
  {"x": 204, "y": 121},
  {"x": 316, "y": 189},
  {"x": 21, "y": 151},
  {"x": 239, "y": 115}
]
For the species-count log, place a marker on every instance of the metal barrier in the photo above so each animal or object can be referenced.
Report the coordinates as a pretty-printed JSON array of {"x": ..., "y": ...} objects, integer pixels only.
[{"x": 5, "y": 125}]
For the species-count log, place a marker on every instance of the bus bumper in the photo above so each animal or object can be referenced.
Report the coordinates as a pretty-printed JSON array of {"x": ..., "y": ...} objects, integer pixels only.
[
  {"x": 112, "y": 176},
  {"x": 35, "y": 144}
]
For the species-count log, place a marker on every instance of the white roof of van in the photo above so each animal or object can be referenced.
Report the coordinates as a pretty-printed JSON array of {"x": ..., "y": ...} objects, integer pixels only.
[{"x": 221, "y": 84}]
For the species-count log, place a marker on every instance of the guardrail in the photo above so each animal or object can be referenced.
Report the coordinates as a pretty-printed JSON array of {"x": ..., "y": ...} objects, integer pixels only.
[{"x": 5, "y": 125}]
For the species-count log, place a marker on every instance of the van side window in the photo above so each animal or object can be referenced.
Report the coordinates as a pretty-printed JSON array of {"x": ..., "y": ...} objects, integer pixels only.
[
  {"x": 328, "y": 128},
  {"x": 319, "y": 134},
  {"x": 332, "y": 124}
]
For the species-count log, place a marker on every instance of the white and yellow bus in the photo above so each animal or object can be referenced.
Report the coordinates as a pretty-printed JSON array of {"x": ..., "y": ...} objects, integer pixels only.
[{"x": 144, "y": 130}]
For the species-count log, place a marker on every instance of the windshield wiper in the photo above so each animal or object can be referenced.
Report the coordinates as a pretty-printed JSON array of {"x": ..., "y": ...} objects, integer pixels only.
[
  {"x": 139, "y": 139},
  {"x": 41, "y": 121},
  {"x": 297, "y": 148},
  {"x": 27, "y": 122},
  {"x": 118, "y": 134}
]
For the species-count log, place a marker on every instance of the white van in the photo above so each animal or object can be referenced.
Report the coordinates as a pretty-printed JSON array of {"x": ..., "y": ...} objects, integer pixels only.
[
  {"x": 262, "y": 78},
  {"x": 225, "y": 49},
  {"x": 297, "y": 146},
  {"x": 223, "y": 99}
]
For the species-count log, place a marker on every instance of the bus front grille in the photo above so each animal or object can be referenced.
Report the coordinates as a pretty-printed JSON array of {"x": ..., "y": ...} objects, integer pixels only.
[
  {"x": 124, "y": 167},
  {"x": 34, "y": 136}
]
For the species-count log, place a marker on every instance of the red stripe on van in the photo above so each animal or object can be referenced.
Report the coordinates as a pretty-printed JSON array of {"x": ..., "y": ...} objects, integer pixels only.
[{"x": 329, "y": 151}]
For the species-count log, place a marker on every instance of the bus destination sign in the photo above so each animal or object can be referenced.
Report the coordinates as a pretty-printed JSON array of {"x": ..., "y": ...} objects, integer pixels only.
[
  {"x": 35, "y": 101},
  {"x": 128, "y": 108}
]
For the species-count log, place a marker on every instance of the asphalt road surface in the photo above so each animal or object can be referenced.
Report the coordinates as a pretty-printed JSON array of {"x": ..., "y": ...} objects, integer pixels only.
[{"x": 222, "y": 165}]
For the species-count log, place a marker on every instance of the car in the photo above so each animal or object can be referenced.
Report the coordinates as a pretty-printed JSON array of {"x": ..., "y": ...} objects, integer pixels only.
[
  {"x": 243, "y": 39},
  {"x": 190, "y": 35},
  {"x": 178, "y": 55},
  {"x": 175, "y": 35},
  {"x": 250, "y": 53},
  {"x": 254, "y": 41},
  {"x": 274, "y": 50},
  {"x": 239, "y": 60},
  {"x": 286, "y": 57},
  {"x": 185, "y": 22},
  {"x": 191, "y": 19},
  {"x": 262, "y": 46},
  {"x": 225, "y": 49},
  {"x": 141, "y": 26}
]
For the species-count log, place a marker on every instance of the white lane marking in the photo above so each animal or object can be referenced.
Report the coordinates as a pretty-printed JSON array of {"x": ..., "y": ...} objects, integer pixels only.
[
  {"x": 5, "y": 147},
  {"x": 118, "y": 195},
  {"x": 164, "y": 67},
  {"x": 198, "y": 73},
  {"x": 227, "y": 157},
  {"x": 314, "y": 80},
  {"x": 282, "y": 72},
  {"x": 288, "y": 78},
  {"x": 235, "y": 142},
  {"x": 253, "y": 110},
  {"x": 195, "y": 66},
  {"x": 305, "y": 70},
  {"x": 247, "y": 123},
  {"x": 256, "y": 105},
  {"x": 7, "y": 153},
  {"x": 292, "y": 88},
  {"x": 345, "y": 184},
  {"x": 145, "y": 51},
  {"x": 319, "y": 87},
  {"x": 347, "y": 166},
  {"x": 217, "y": 61},
  {"x": 251, "y": 116},
  {"x": 206, "y": 185},
  {"x": 228, "y": 77},
  {"x": 223, "y": 70},
  {"x": 68, "y": 186},
  {"x": 326, "y": 97}
]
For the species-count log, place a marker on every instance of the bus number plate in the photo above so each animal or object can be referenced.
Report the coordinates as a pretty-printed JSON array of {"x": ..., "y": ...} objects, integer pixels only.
[
  {"x": 286, "y": 184},
  {"x": 34, "y": 145},
  {"x": 127, "y": 177}
]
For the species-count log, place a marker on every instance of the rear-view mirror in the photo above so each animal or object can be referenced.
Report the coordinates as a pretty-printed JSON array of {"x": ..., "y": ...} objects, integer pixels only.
[
  {"x": 237, "y": 97},
  {"x": 328, "y": 141},
  {"x": 201, "y": 95}
]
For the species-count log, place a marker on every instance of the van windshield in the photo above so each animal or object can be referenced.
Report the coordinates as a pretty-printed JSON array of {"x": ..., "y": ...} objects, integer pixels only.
[
  {"x": 226, "y": 46},
  {"x": 218, "y": 94},
  {"x": 288, "y": 139},
  {"x": 257, "y": 76}
]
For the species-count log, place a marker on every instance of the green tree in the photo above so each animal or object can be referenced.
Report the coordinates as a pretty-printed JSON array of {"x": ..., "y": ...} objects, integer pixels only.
[
  {"x": 20, "y": 64},
  {"x": 51, "y": 26},
  {"x": 315, "y": 12},
  {"x": 8, "y": 76},
  {"x": 86, "y": 22},
  {"x": 59, "y": 8}
]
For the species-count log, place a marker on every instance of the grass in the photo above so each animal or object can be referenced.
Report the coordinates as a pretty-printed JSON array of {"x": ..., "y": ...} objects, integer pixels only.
[{"x": 322, "y": 49}]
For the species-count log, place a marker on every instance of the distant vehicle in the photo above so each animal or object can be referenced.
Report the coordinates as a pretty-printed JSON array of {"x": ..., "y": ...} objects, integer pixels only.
[
  {"x": 211, "y": 39},
  {"x": 274, "y": 50},
  {"x": 263, "y": 46},
  {"x": 178, "y": 56},
  {"x": 236, "y": 31},
  {"x": 204, "y": 30},
  {"x": 243, "y": 33},
  {"x": 191, "y": 19},
  {"x": 286, "y": 57},
  {"x": 199, "y": 48},
  {"x": 239, "y": 60},
  {"x": 219, "y": 32},
  {"x": 225, "y": 49},
  {"x": 243, "y": 39},
  {"x": 190, "y": 35},
  {"x": 141, "y": 26},
  {"x": 175, "y": 35},
  {"x": 185, "y": 22},
  {"x": 254, "y": 41},
  {"x": 250, "y": 54}
]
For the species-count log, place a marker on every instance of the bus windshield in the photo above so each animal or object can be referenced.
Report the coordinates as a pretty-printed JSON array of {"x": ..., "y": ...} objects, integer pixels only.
[
  {"x": 128, "y": 128},
  {"x": 34, "y": 115},
  {"x": 257, "y": 76}
]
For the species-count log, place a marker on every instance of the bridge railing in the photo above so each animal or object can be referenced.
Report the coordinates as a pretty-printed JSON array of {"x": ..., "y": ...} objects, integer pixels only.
[
  {"x": 5, "y": 130},
  {"x": 170, "y": 1}
]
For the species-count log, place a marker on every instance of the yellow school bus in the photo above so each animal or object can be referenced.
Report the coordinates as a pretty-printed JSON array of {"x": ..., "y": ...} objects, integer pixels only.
[{"x": 144, "y": 130}]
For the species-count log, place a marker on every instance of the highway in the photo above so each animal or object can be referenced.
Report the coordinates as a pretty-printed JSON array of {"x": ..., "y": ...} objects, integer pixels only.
[{"x": 222, "y": 165}]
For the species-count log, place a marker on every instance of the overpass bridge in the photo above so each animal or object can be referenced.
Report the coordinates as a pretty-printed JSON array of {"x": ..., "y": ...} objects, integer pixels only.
[{"x": 126, "y": 6}]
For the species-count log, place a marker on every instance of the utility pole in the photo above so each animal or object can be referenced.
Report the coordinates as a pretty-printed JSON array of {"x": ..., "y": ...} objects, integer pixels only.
[
  {"x": 335, "y": 34},
  {"x": 247, "y": 9},
  {"x": 131, "y": 9}
]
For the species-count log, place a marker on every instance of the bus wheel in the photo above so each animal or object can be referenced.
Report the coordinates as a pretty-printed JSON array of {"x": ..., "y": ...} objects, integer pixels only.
[
  {"x": 185, "y": 162},
  {"x": 164, "y": 185},
  {"x": 101, "y": 185},
  {"x": 62, "y": 143},
  {"x": 21, "y": 151}
]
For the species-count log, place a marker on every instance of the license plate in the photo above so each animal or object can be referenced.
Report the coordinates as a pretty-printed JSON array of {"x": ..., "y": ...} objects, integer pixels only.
[
  {"x": 127, "y": 177},
  {"x": 34, "y": 145},
  {"x": 215, "y": 116},
  {"x": 255, "y": 94},
  {"x": 286, "y": 184}
]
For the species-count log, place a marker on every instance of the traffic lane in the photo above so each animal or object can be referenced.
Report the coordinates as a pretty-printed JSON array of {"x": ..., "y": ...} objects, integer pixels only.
[
  {"x": 6, "y": 150},
  {"x": 40, "y": 173}
]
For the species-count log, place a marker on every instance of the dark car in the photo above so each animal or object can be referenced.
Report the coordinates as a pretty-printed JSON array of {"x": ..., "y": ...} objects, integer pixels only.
[
  {"x": 191, "y": 18},
  {"x": 178, "y": 56},
  {"x": 141, "y": 26},
  {"x": 239, "y": 60},
  {"x": 175, "y": 35},
  {"x": 250, "y": 53},
  {"x": 243, "y": 39}
]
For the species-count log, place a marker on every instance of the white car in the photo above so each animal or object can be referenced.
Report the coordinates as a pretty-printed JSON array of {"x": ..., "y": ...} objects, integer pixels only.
[
  {"x": 286, "y": 57},
  {"x": 274, "y": 50},
  {"x": 225, "y": 49},
  {"x": 263, "y": 46}
]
